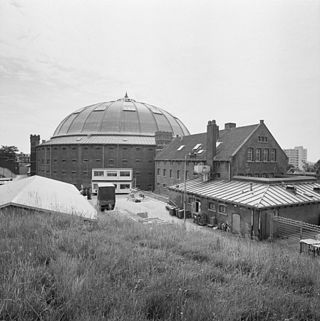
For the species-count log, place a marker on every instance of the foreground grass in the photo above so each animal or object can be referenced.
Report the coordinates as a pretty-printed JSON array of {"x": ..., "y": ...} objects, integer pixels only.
[{"x": 59, "y": 268}]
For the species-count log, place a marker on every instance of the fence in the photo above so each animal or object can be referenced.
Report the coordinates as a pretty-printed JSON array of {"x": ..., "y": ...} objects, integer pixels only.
[{"x": 285, "y": 227}]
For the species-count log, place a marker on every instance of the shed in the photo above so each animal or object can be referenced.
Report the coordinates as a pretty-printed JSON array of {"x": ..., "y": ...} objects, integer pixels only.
[{"x": 248, "y": 205}]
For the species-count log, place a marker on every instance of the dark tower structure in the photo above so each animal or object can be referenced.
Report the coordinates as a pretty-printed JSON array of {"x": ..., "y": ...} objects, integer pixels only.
[{"x": 34, "y": 141}]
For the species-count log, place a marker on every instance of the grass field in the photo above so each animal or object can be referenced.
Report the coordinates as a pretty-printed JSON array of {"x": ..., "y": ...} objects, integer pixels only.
[{"x": 60, "y": 268}]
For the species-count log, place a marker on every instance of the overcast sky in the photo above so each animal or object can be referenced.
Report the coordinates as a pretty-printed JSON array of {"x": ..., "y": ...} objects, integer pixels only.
[{"x": 233, "y": 61}]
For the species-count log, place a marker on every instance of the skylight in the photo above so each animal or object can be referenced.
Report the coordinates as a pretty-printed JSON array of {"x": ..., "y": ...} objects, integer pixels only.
[
  {"x": 100, "y": 107},
  {"x": 196, "y": 147},
  {"x": 200, "y": 151},
  {"x": 218, "y": 143},
  {"x": 181, "y": 147},
  {"x": 129, "y": 108}
]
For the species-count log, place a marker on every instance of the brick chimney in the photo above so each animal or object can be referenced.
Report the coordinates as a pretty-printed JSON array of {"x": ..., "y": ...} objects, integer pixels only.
[
  {"x": 230, "y": 125},
  {"x": 212, "y": 137}
]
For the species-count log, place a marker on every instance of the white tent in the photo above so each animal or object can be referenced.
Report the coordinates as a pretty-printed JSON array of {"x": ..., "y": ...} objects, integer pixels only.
[{"x": 46, "y": 195}]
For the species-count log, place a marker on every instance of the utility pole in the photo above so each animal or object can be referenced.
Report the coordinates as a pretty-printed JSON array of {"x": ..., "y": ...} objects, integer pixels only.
[{"x": 184, "y": 188}]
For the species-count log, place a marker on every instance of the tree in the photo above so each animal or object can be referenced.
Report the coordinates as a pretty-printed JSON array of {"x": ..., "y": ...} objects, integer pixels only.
[
  {"x": 8, "y": 153},
  {"x": 317, "y": 168}
]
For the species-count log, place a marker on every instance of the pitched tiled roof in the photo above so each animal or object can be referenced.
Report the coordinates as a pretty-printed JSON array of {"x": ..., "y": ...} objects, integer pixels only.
[
  {"x": 230, "y": 140},
  {"x": 252, "y": 194}
]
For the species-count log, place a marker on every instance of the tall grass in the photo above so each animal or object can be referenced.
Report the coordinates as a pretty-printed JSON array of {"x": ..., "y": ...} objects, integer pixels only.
[{"x": 61, "y": 268}]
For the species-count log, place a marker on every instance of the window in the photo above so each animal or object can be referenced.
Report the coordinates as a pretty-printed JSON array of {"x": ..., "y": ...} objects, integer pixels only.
[
  {"x": 85, "y": 160},
  {"x": 273, "y": 155},
  {"x": 97, "y": 173},
  {"x": 250, "y": 154},
  {"x": 158, "y": 171},
  {"x": 212, "y": 207},
  {"x": 190, "y": 200},
  {"x": 63, "y": 161},
  {"x": 111, "y": 174},
  {"x": 111, "y": 161},
  {"x": 138, "y": 160},
  {"x": 98, "y": 160},
  {"x": 222, "y": 209},
  {"x": 258, "y": 155},
  {"x": 178, "y": 174},
  {"x": 48, "y": 161},
  {"x": 262, "y": 139},
  {"x": 266, "y": 155},
  {"x": 170, "y": 172},
  {"x": 124, "y": 161},
  {"x": 124, "y": 173},
  {"x": 164, "y": 185},
  {"x": 164, "y": 172},
  {"x": 187, "y": 173},
  {"x": 124, "y": 186}
]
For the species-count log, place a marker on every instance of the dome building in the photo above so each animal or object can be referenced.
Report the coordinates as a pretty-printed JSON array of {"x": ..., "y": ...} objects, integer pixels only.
[{"x": 121, "y": 134}]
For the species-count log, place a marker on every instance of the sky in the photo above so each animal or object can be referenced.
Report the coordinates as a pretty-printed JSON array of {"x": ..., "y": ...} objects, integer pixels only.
[{"x": 233, "y": 61}]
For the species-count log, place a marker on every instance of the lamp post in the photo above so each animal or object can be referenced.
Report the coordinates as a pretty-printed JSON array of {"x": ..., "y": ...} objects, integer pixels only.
[{"x": 191, "y": 155}]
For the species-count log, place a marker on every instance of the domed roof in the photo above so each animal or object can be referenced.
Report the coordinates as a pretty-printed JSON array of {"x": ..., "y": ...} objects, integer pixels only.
[{"x": 121, "y": 117}]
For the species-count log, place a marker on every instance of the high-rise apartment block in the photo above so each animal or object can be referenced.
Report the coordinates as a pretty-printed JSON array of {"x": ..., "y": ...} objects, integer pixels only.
[{"x": 297, "y": 156}]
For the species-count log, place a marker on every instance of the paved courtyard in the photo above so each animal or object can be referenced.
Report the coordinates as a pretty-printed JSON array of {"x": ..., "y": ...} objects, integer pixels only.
[{"x": 148, "y": 211}]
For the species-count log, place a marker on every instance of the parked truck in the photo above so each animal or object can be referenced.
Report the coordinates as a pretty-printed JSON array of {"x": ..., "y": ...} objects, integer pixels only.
[{"x": 106, "y": 196}]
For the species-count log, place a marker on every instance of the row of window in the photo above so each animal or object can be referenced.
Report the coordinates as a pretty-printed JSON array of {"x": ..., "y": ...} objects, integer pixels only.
[
  {"x": 112, "y": 174},
  {"x": 92, "y": 147},
  {"x": 262, "y": 139},
  {"x": 164, "y": 173},
  {"x": 262, "y": 154},
  {"x": 212, "y": 206},
  {"x": 110, "y": 161},
  {"x": 63, "y": 172}
]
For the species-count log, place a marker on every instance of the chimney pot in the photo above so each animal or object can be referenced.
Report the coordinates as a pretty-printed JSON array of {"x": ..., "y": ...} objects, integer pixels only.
[{"x": 261, "y": 121}]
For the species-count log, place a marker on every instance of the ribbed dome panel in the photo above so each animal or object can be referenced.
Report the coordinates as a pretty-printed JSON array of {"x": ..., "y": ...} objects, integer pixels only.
[{"x": 121, "y": 117}]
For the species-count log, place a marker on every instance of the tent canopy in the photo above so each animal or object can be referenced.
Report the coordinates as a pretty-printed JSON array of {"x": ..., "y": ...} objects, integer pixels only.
[{"x": 46, "y": 195}]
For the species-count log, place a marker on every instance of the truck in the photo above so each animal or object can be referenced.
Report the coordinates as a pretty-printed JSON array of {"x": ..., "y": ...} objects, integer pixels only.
[{"x": 106, "y": 196}]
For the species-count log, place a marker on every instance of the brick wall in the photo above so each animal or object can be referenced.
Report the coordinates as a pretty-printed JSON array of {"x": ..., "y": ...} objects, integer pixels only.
[
  {"x": 241, "y": 165},
  {"x": 163, "y": 179},
  {"x": 74, "y": 163}
]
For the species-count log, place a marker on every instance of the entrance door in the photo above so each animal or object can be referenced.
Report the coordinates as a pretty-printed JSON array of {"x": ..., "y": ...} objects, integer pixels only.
[{"x": 236, "y": 223}]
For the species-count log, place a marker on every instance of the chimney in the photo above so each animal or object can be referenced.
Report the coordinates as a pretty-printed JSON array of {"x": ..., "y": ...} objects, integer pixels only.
[
  {"x": 212, "y": 137},
  {"x": 230, "y": 125}
]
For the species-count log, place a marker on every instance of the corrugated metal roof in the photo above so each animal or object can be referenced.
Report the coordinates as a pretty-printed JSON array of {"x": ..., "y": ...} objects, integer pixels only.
[
  {"x": 91, "y": 139},
  {"x": 252, "y": 194}
]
